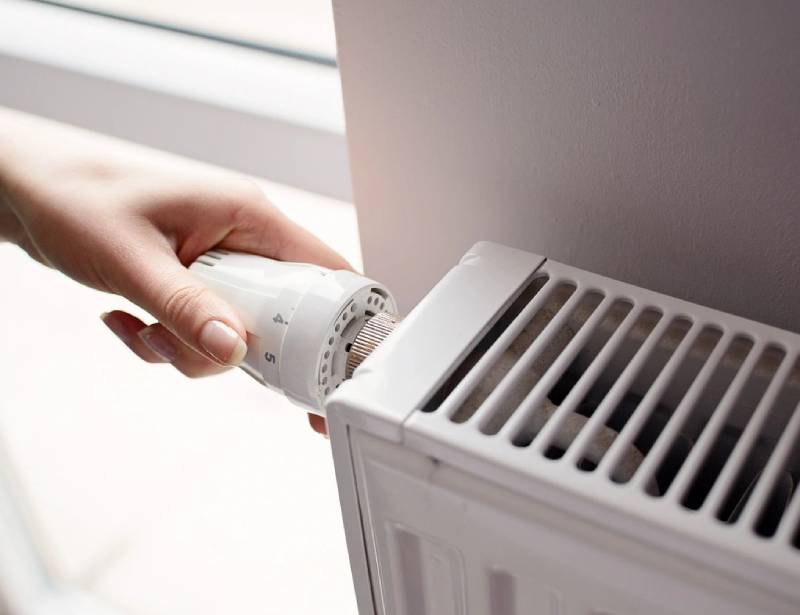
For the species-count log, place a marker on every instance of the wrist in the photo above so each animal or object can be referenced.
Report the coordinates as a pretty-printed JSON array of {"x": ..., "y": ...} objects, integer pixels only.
[
  {"x": 10, "y": 228},
  {"x": 19, "y": 136},
  {"x": 11, "y": 122}
]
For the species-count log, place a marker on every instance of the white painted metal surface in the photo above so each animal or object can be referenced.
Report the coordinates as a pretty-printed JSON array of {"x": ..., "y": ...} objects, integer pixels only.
[{"x": 459, "y": 498}]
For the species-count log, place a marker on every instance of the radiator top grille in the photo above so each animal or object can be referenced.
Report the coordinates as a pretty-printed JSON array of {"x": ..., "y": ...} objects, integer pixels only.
[{"x": 686, "y": 405}]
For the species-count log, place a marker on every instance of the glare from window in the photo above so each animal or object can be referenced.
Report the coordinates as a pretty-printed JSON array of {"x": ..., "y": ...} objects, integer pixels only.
[{"x": 304, "y": 26}]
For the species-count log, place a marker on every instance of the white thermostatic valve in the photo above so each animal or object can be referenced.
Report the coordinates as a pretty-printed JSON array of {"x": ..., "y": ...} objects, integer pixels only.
[{"x": 301, "y": 319}]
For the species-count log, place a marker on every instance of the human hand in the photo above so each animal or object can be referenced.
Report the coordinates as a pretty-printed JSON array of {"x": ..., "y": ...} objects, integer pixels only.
[{"x": 126, "y": 220}]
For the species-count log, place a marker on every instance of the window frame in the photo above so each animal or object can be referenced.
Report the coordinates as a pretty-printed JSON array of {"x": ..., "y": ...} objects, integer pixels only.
[{"x": 274, "y": 117}]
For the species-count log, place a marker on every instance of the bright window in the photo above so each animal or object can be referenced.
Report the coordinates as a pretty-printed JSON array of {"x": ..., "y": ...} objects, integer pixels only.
[{"x": 295, "y": 25}]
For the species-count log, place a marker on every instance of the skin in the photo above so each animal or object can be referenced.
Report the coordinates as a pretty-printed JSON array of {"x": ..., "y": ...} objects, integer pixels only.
[{"x": 128, "y": 220}]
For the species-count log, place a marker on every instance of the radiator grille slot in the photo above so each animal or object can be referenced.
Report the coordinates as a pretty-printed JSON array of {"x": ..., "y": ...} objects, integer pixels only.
[
  {"x": 554, "y": 298},
  {"x": 770, "y": 474},
  {"x": 731, "y": 417},
  {"x": 524, "y": 299},
  {"x": 766, "y": 423},
  {"x": 622, "y": 411},
  {"x": 587, "y": 404},
  {"x": 692, "y": 407},
  {"x": 542, "y": 361},
  {"x": 654, "y": 413}
]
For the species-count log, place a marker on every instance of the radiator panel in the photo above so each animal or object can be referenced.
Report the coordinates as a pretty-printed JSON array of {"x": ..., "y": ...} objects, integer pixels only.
[
  {"x": 664, "y": 434},
  {"x": 445, "y": 542}
]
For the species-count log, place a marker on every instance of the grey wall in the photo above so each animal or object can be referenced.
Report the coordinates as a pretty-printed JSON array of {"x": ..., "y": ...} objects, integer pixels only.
[{"x": 654, "y": 141}]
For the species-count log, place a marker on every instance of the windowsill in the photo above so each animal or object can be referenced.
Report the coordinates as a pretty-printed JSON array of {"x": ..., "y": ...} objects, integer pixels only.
[{"x": 244, "y": 109}]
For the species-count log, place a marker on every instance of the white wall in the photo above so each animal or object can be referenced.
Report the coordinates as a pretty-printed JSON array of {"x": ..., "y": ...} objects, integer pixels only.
[{"x": 656, "y": 142}]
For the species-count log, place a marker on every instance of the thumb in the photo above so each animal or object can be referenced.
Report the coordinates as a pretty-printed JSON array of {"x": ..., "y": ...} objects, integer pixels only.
[{"x": 201, "y": 319}]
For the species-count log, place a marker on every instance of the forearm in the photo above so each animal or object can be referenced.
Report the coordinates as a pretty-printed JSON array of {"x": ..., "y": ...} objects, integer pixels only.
[
  {"x": 36, "y": 156},
  {"x": 39, "y": 158}
]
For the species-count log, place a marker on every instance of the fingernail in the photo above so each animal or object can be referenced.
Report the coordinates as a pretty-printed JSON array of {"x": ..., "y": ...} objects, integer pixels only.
[
  {"x": 159, "y": 344},
  {"x": 222, "y": 343},
  {"x": 116, "y": 328}
]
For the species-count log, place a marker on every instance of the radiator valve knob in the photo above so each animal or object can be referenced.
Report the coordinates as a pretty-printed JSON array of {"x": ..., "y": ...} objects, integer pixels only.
[{"x": 374, "y": 331}]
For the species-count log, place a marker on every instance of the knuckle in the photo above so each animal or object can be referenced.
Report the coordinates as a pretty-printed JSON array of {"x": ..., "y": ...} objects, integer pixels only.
[
  {"x": 182, "y": 302},
  {"x": 247, "y": 202},
  {"x": 246, "y": 192}
]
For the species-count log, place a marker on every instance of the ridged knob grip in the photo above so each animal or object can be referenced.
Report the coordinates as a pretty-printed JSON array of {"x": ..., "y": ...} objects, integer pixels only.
[{"x": 368, "y": 339}]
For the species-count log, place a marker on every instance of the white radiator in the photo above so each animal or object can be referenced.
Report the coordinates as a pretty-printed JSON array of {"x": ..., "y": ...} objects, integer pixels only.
[{"x": 537, "y": 439}]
